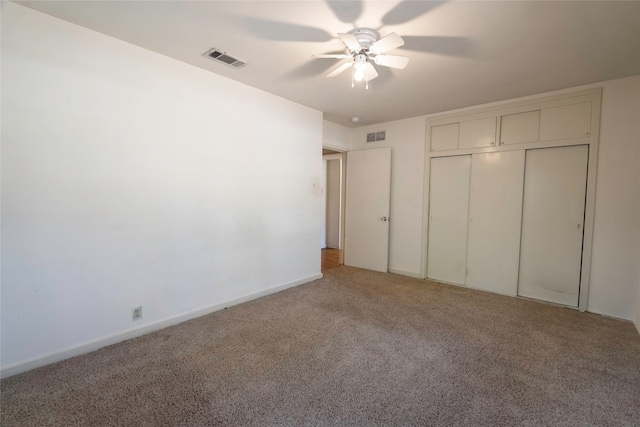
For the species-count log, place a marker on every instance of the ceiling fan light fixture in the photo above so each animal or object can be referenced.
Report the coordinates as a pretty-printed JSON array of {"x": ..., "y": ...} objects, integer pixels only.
[
  {"x": 359, "y": 65},
  {"x": 367, "y": 48}
]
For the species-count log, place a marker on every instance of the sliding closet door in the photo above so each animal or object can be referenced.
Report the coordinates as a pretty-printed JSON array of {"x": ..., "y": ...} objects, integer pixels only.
[
  {"x": 495, "y": 213},
  {"x": 448, "y": 214},
  {"x": 552, "y": 224}
]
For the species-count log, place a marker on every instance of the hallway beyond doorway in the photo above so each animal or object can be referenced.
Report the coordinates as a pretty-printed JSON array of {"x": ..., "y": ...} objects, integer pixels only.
[{"x": 331, "y": 258}]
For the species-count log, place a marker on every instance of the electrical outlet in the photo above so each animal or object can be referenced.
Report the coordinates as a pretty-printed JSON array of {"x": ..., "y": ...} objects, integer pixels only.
[{"x": 136, "y": 313}]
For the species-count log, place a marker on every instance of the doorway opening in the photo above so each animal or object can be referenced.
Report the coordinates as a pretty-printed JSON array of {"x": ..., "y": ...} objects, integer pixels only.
[{"x": 332, "y": 238}]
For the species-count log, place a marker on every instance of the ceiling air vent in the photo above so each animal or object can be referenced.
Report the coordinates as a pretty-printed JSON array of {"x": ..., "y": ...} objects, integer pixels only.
[
  {"x": 376, "y": 136},
  {"x": 224, "y": 58}
]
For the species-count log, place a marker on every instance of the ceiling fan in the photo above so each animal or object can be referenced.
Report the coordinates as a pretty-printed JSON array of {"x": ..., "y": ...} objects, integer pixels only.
[{"x": 365, "y": 47}]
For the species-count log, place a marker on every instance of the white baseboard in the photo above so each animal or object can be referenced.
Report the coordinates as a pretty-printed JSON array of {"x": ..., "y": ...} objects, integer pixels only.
[
  {"x": 93, "y": 345},
  {"x": 405, "y": 273}
]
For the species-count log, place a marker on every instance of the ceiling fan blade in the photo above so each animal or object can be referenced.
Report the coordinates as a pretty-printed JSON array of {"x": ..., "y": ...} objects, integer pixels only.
[
  {"x": 387, "y": 43},
  {"x": 408, "y": 10},
  {"x": 370, "y": 72},
  {"x": 393, "y": 61},
  {"x": 346, "y": 11},
  {"x": 441, "y": 45},
  {"x": 350, "y": 41},
  {"x": 332, "y": 56},
  {"x": 340, "y": 69},
  {"x": 284, "y": 31}
]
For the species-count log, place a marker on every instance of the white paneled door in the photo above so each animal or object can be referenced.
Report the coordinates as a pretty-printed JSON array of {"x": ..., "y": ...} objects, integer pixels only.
[
  {"x": 552, "y": 224},
  {"x": 367, "y": 209},
  {"x": 495, "y": 213},
  {"x": 448, "y": 215}
]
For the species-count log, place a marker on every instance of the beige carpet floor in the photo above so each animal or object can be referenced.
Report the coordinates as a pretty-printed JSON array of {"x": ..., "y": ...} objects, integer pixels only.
[{"x": 355, "y": 348}]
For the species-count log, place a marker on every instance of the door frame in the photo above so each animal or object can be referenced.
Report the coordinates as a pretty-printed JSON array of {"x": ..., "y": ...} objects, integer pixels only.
[{"x": 342, "y": 157}]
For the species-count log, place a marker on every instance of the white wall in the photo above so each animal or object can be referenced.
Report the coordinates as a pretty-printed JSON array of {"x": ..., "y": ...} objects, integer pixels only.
[
  {"x": 406, "y": 139},
  {"x": 615, "y": 273},
  {"x": 336, "y": 136},
  {"x": 615, "y": 270},
  {"x": 129, "y": 178}
]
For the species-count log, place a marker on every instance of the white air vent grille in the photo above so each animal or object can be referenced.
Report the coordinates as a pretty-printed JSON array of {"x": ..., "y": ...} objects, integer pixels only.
[
  {"x": 377, "y": 136},
  {"x": 224, "y": 58}
]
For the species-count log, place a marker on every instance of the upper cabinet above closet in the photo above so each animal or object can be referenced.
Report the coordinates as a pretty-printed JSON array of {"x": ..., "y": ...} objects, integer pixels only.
[
  {"x": 478, "y": 133},
  {"x": 553, "y": 121},
  {"x": 445, "y": 137},
  {"x": 565, "y": 122},
  {"x": 520, "y": 127},
  {"x": 547, "y": 124}
]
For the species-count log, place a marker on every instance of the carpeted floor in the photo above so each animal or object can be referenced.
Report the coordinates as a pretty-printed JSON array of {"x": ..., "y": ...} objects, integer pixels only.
[{"x": 355, "y": 348}]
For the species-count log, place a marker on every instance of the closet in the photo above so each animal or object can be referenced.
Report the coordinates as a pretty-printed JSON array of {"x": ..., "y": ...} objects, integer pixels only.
[{"x": 510, "y": 197}]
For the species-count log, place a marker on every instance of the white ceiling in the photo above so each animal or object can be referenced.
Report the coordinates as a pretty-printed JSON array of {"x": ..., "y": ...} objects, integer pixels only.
[{"x": 462, "y": 53}]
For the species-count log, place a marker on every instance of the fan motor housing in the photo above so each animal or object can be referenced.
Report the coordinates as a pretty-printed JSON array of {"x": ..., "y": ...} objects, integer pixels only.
[{"x": 365, "y": 36}]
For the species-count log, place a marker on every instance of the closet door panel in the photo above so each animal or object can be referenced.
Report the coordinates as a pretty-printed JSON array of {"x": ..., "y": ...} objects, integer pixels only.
[
  {"x": 495, "y": 213},
  {"x": 448, "y": 215},
  {"x": 552, "y": 224}
]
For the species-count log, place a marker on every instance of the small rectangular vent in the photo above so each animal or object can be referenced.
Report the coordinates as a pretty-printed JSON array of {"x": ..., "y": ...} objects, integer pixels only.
[
  {"x": 224, "y": 58},
  {"x": 377, "y": 136}
]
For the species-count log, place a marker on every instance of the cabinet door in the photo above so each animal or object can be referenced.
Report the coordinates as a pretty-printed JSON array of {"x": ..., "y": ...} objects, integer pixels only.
[
  {"x": 444, "y": 137},
  {"x": 520, "y": 128},
  {"x": 478, "y": 133},
  {"x": 568, "y": 121},
  {"x": 495, "y": 213},
  {"x": 448, "y": 215},
  {"x": 552, "y": 224}
]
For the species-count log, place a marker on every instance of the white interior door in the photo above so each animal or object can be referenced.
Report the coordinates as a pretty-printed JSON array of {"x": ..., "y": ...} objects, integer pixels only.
[
  {"x": 495, "y": 216},
  {"x": 367, "y": 209},
  {"x": 448, "y": 219},
  {"x": 552, "y": 224}
]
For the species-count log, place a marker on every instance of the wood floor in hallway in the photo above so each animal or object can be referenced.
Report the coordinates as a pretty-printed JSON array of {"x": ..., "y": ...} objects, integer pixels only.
[{"x": 331, "y": 258}]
